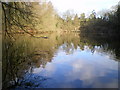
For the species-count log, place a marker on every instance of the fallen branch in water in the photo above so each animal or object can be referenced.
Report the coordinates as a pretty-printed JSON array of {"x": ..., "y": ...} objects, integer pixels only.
[{"x": 40, "y": 37}]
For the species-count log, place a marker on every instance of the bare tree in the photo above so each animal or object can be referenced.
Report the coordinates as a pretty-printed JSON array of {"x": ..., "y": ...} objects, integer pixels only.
[{"x": 16, "y": 16}]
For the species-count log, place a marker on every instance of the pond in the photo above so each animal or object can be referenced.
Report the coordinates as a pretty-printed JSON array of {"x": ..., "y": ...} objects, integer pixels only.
[{"x": 63, "y": 60}]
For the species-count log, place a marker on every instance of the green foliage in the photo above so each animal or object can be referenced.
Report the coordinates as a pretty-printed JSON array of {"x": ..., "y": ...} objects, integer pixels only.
[
  {"x": 76, "y": 22},
  {"x": 16, "y": 16},
  {"x": 82, "y": 16},
  {"x": 45, "y": 14},
  {"x": 108, "y": 24},
  {"x": 41, "y": 16},
  {"x": 70, "y": 21},
  {"x": 93, "y": 15},
  {"x": 82, "y": 20}
]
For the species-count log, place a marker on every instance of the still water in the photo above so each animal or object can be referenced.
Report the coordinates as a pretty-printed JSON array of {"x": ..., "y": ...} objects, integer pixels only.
[{"x": 63, "y": 60}]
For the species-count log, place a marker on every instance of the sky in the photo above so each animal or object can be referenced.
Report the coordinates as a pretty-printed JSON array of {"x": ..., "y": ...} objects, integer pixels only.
[{"x": 80, "y": 6}]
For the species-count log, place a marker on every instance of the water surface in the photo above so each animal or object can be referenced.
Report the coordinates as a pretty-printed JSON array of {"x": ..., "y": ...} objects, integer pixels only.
[{"x": 64, "y": 60}]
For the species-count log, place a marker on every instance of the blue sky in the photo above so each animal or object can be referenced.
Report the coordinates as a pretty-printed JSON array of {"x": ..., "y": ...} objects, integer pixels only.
[{"x": 80, "y": 6}]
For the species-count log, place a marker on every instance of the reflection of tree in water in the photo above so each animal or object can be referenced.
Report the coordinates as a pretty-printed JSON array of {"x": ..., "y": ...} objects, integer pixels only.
[
  {"x": 21, "y": 55},
  {"x": 100, "y": 43},
  {"x": 26, "y": 53},
  {"x": 14, "y": 61},
  {"x": 106, "y": 44},
  {"x": 69, "y": 42}
]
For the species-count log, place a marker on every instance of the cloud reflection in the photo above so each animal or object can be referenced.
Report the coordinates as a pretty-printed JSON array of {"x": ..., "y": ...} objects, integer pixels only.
[{"x": 80, "y": 69}]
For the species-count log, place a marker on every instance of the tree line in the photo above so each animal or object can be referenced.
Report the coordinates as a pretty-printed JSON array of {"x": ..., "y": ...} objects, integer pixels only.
[
  {"x": 106, "y": 24},
  {"x": 32, "y": 17}
]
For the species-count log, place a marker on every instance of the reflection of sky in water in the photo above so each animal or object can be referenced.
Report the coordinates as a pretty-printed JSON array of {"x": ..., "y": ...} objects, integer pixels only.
[{"x": 79, "y": 69}]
